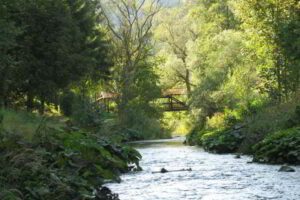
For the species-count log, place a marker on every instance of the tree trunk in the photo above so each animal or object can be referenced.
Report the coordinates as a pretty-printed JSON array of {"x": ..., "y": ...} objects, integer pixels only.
[
  {"x": 125, "y": 93},
  {"x": 42, "y": 106},
  {"x": 187, "y": 78},
  {"x": 188, "y": 83},
  {"x": 29, "y": 102},
  {"x": 279, "y": 84}
]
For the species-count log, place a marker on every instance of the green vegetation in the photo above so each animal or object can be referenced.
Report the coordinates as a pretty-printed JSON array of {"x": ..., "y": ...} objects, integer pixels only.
[
  {"x": 280, "y": 147},
  {"x": 222, "y": 141},
  {"x": 44, "y": 158},
  {"x": 244, "y": 71},
  {"x": 237, "y": 60}
]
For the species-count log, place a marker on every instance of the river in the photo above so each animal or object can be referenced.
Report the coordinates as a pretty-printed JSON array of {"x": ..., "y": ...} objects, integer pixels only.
[{"x": 213, "y": 177}]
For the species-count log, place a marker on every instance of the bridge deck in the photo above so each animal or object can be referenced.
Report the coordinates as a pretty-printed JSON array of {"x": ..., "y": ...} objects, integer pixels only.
[{"x": 173, "y": 104}]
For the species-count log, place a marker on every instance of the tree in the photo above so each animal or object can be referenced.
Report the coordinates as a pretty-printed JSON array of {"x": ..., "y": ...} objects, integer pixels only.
[
  {"x": 130, "y": 23},
  {"x": 175, "y": 33},
  {"x": 8, "y": 35},
  {"x": 61, "y": 43},
  {"x": 214, "y": 55},
  {"x": 265, "y": 22}
]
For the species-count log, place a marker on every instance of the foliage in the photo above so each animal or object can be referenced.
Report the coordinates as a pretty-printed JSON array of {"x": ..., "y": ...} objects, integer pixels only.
[
  {"x": 50, "y": 45},
  {"x": 245, "y": 71},
  {"x": 220, "y": 141},
  {"x": 269, "y": 119},
  {"x": 58, "y": 163},
  {"x": 141, "y": 115},
  {"x": 279, "y": 147},
  {"x": 178, "y": 123},
  {"x": 132, "y": 75},
  {"x": 267, "y": 22},
  {"x": 8, "y": 34},
  {"x": 175, "y": 33}
]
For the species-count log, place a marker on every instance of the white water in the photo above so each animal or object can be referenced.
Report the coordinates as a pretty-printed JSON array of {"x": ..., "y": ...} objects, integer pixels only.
[{"x": 214, "y": 177}]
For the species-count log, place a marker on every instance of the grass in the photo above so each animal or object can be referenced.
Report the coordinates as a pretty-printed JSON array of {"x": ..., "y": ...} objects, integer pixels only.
[{"x": 27, "y": 123}]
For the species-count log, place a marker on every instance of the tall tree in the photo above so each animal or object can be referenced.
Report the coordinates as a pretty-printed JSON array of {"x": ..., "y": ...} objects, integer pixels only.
[
  {"x": 130, "y": 23},
  {"x": 61, "y": 43},
  {"x": 175, "y": 33},
  {"x": 8, "y": 34},
  {"x": 265, "y": 22}
]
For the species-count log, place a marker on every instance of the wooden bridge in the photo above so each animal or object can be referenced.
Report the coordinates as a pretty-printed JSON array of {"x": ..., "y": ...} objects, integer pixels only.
[
  {"x": 169, "y": 100},
  {"x": 173, "y": 102}
]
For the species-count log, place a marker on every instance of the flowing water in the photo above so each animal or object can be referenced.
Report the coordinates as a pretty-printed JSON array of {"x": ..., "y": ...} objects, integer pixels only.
[{"x": 213, "y": 177}]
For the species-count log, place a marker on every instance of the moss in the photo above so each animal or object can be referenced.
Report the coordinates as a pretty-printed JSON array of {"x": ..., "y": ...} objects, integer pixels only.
[{"x": 279, "y": 147}]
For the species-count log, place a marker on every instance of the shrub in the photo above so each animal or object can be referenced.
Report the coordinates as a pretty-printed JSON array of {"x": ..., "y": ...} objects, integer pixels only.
[
  {"x": 221, "y": 141},
  {"x": 279, "y": 147},
  {"x": 269, "y": 119},
  {"x": 217, "y": 121}
]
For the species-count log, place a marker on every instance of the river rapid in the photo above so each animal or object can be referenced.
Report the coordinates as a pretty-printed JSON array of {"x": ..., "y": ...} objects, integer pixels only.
[{"x": 213, "y": 177}]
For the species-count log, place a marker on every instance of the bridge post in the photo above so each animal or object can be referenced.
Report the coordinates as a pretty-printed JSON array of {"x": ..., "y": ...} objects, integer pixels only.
[{"x": 171, "y": 102}]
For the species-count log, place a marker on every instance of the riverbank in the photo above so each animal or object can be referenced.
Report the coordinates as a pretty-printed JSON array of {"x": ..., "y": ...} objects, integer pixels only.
[
  {"x": 213, "y": 176},
  {"x": 271, "y": 135},
  {"x": 50, "y": 158}
]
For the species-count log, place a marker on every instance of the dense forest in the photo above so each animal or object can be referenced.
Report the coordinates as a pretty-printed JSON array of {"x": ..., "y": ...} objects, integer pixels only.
[{"x": 238, "y": 62}]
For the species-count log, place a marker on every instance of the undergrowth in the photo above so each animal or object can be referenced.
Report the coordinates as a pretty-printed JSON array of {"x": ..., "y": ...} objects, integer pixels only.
[{"x": 56, "y": 162}]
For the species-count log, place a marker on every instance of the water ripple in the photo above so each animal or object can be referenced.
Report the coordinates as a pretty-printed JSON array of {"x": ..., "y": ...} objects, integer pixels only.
[{"x": 214, "y": 177}]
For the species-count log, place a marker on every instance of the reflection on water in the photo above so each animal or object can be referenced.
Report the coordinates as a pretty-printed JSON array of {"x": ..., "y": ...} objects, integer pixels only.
[{"x": 214, "y": 177}]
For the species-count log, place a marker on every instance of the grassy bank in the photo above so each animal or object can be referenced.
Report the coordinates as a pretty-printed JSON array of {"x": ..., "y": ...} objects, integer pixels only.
[{"x": 46, "y": 158}]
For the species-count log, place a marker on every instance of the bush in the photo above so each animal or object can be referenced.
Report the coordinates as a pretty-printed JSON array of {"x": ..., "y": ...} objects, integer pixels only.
[
  {"x": 217, "y": 121},
  {"x": 220, "y": 141},
  {"x": 269, "y": 119},
  {"x": 280, "y": 147}
]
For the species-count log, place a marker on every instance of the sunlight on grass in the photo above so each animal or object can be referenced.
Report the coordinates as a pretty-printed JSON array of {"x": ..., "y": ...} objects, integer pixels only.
[{"x": 26, "y": 123}]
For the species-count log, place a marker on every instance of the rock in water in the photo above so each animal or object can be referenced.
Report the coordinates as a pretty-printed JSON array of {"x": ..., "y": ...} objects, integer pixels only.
[
  {"x": 104, "y": 193},
  {"x": 163, "y": 170},
  {"x": 286, "y": 168},
  {"x": 238, "y": 156}
]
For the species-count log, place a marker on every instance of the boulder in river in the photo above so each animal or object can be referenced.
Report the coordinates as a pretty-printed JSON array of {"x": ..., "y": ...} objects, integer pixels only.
[
  {"x": 163, "y": 170},
  {"x": 237, "y": 156},
  {"x": 286, "y": 168}
]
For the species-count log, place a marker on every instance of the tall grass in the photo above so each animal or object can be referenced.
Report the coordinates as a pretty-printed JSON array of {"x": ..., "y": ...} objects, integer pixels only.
[{"x": 26, "y": 123}]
